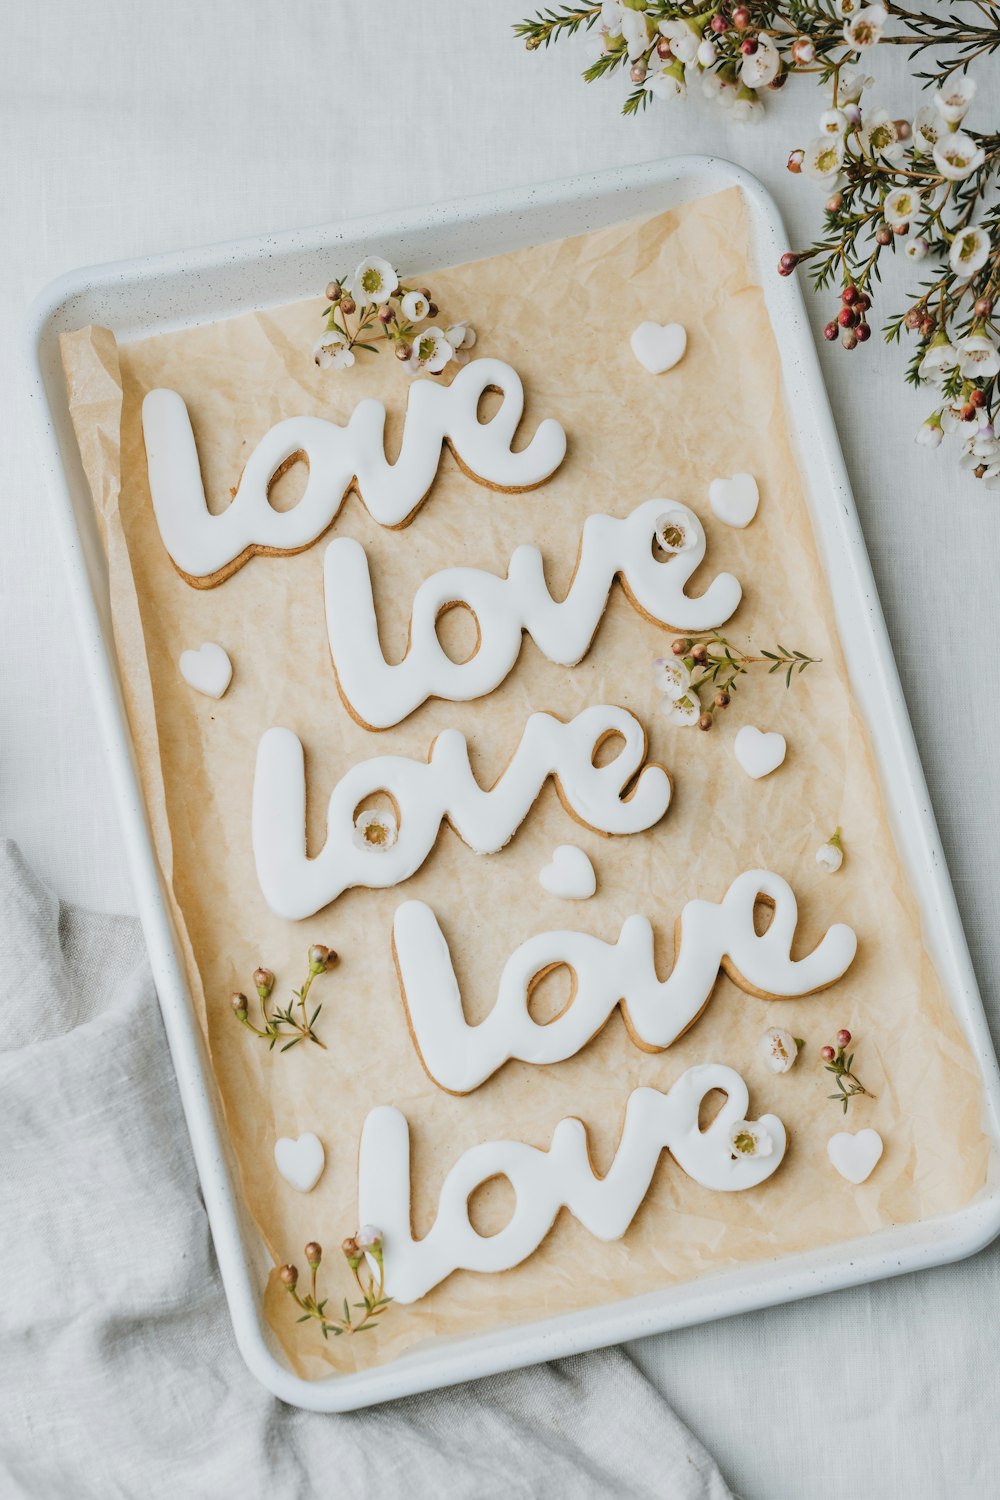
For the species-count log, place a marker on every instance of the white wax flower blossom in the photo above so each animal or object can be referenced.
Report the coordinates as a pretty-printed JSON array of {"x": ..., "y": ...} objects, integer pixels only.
[
  {"x": 830, "y": 856},
  {"x": 707, "y": 52},
  {"x": 460, "y": 335},
  {"x": 865, "y": 27},
  {"x": 848, "y": 7},
  {"x": 683, "y": 39},
  {"x": 635, "y": 30},
  {"x": 672, "y": 677},
  {"x": 716, "y": 85},
  {"x": 431, "y": 352},
  {"x": 667, "y": 82},
  {"x": 878, "y": 136},
  {"x": 916, "y": 249},
  {"x": 930, "y": 432},
  {"x": 957, "y": 156},
  {"x": 374, "y": 281},
  {"x": 415, "y": 307},
  {"x": 833, "y": 122},
  {"x": 927, "y": 129},
  {"x": 852, "y": 114},
  {"x": 780, "y": 1049},
  {"x": 979, "y": 358},
  {"x": 375, "y": 828},
  {"x": 673, "y": 532},
  {"x": 749, "y": 1138},
  {"x": 824, "y": 157},
  {"x": 330, "y": 351},
  {"x": 853, "y": 83},
  {"x": 747, "y": 107},
  {"x": 683, "y": 711},
  {"x": 611, "y": 17},
  {"x": 952, "y": 102},
  {"x": 803, "y": 50},
  {"x": 939, "y": 358},
  {"x": 900, "y": 206},
  {"x": 970, "y": 250},
  {"x": 761, "y": 67}
]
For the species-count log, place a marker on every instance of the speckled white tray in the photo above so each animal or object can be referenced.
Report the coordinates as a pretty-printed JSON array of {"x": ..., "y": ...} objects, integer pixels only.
[{"x": 139, "y": 298}]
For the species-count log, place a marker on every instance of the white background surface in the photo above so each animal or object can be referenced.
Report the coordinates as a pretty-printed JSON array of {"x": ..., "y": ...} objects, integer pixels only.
[{"x": 127, "y": 129}]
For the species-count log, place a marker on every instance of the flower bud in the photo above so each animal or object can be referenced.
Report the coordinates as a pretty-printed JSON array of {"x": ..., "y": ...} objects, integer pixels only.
[
  {"x": 705, "y": 721},
  {"x": 983, "y": 307},
  {"x": 368, "y": 1237},
  {"x": 681, "y": 646},
  {"x": 289, "y": 1276},
  {"x": 843, "y": 1038},
  {"x": 883, "y": 235},
  {"x": 827, "y": 1054},
  {"x": 432, "y": 309},
  {"x": 722, "y": 699},
  {"x": 264, "y": 981},
  {"x": 348, "y": 305},
  {"x": 321, "y": 959},
  {"x": 741, "y": 18},
  {"x": 404, "y": 351},
  {"x": 239, "y": 1003},
  {"x": 787, "y": 263},
  {"x": 834, "y": 203},
  {"x": 334, "y": 291},
  {"x": 387, "y": 314},
  {"x": 313, "y": 1254},
  {"x": 699, "y": 651},
  {"x": 830, "y": 332},
  {"x": 637, "y": 72},
  {"x": 719, "y": 24}
]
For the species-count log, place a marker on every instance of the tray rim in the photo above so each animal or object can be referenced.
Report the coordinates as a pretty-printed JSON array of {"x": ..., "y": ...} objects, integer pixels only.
[{"x": 888, "y": 1252}]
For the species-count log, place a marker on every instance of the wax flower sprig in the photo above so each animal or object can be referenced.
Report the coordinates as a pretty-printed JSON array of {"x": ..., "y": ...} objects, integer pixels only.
[
  {"x": 841, "y": 1064},
  {"x": 372, "y": 307},
  {"x": 923, "y": 187},
  {"x": 360, "y": 1250},
  {"x": 714, "y": 662},
  {"x": 294, "y": 1021}
]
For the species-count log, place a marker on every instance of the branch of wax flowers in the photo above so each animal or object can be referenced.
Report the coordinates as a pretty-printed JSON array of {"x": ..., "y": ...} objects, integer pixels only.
[{"x": 923, "y": 188}]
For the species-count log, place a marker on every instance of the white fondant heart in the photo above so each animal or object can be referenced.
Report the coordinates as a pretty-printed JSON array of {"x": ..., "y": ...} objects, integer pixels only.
[
  {"x": 570, "y": 874},
  {"x": 734, "y": 500},
  {"x": 759, "y": 754},
  {"x": 300, "y": 1162},
  {"x": 658, "y": 346},
  {"x": 855, "y": 1156},
  {"x": 208, "y": 670}
]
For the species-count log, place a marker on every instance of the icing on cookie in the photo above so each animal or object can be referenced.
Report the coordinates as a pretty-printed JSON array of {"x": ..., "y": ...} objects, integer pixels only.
[
  {"x": 425, "y": 793},
  {"x": 381, "y": 695},
  {"x": 203, "y": 545},
  {"x": 546, "y": 1181},
  {"x": 711, "y": 936}
]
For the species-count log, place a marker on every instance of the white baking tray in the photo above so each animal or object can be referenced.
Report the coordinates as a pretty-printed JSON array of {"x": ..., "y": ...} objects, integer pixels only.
[{"x": 139, "y": 298}]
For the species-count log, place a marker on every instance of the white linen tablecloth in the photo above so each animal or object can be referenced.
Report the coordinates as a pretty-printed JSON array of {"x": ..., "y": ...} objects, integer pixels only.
[{"x": 128, "y": 129}]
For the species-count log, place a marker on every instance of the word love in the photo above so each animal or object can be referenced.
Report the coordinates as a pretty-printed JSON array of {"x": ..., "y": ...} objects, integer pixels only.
[
  {"x": 207, "y": 548},
  {"x": 656, "y": 1012},
  {"x": 380, "y": 695},
  {"x": 624, "y": 796},
  {"x": 546, "y": 1181}
]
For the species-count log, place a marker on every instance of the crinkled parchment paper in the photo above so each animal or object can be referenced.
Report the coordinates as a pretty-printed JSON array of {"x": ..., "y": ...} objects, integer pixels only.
[{"x": 561, "y": 314}]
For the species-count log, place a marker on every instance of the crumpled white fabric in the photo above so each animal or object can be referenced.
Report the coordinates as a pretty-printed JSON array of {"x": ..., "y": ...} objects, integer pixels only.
[{"x": 119, "y": 1374}]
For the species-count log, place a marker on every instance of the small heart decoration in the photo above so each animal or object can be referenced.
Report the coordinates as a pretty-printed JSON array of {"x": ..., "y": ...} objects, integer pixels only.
[
  {"x": 734, "y": 500},
  {"x": 759, "y": 754},
  {"x": 570, "y": 875},
  {"x": 208, "y": 670},
  {"x": 300, "y": 1162},
  {"x": 855, "y": 1156},
  {"x": 659, "y": 346}
]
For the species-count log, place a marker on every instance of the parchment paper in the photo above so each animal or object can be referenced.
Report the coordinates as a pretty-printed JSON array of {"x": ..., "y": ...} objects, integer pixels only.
[{"x": 561, "y": 314}]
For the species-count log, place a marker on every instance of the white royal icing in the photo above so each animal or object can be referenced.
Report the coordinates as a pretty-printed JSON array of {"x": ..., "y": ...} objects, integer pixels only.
[
  {"x": 759, "y": 754},
  {"x": 569, "y": 874},
  {"x": 208, "y": 670},
  {"x": 855, "y": 1156},
  {"x": 381, "y": 695},
  {"x": 202, "y": 544},
  {"x": 301, "y": 1161},
  {"x": 659, "y": 346},
  {"x": 460, "y": 1057},
  {"x": 546, "y": 1181},
  {"x": 425, "y": 793},
  {"x": 735, "y": 500}
]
